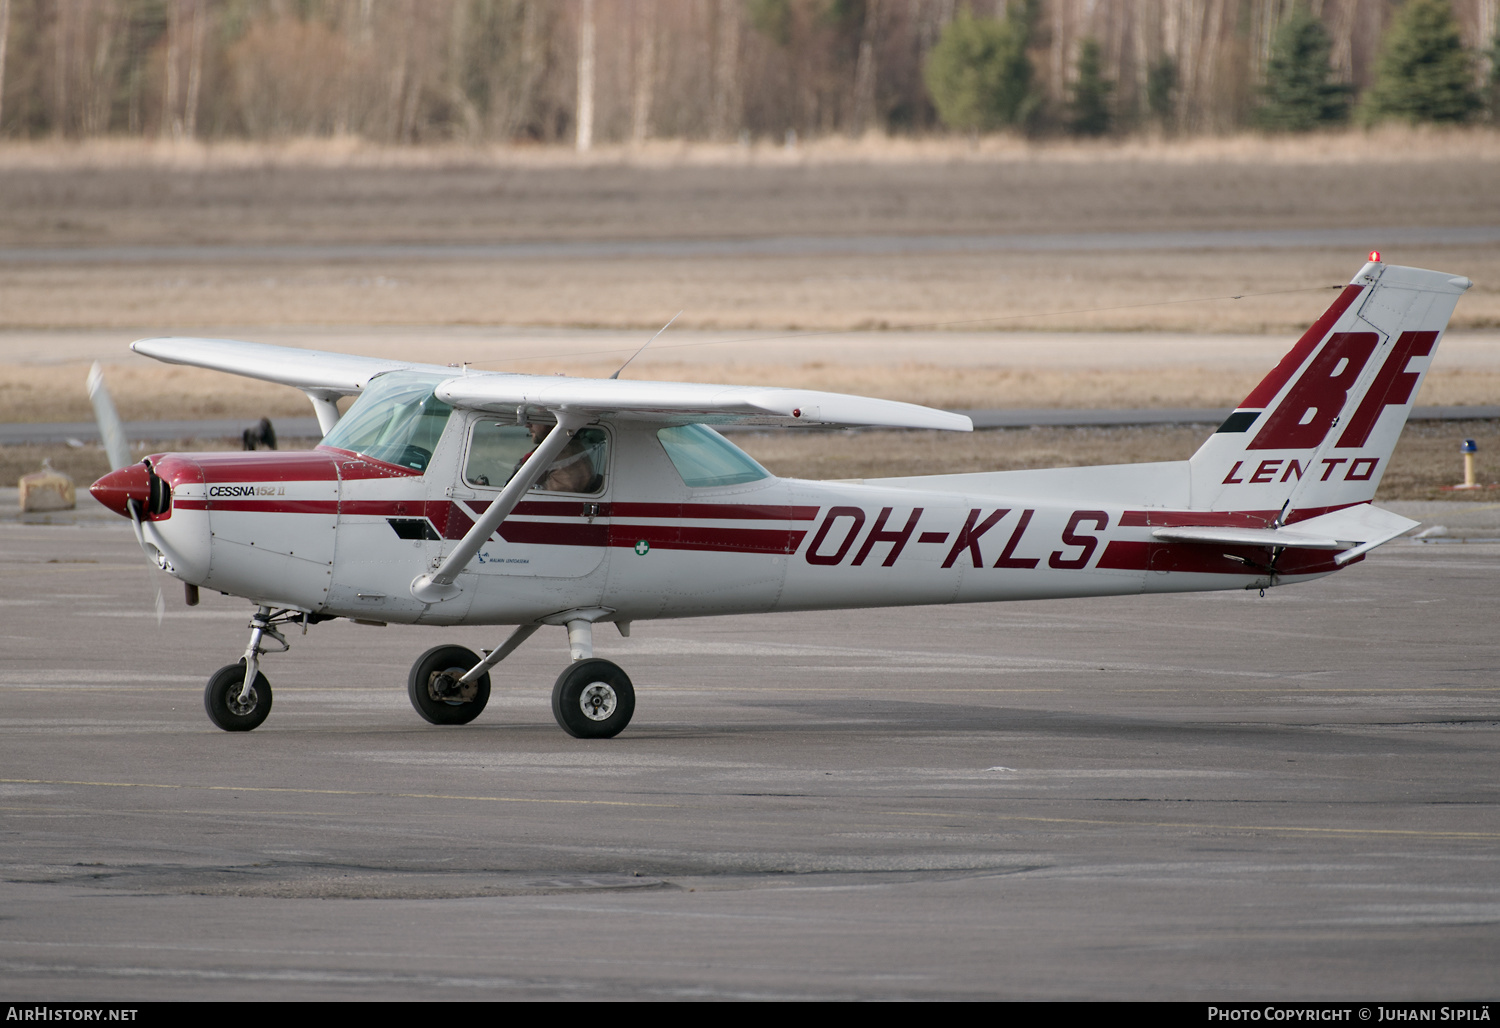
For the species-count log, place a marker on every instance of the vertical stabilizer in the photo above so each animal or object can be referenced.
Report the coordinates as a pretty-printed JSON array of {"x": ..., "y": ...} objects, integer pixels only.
[{"x": 1318, "y": 431}]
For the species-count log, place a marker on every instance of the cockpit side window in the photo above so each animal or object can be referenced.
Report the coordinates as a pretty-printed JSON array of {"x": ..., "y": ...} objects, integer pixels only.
[
  {"x": 396, "y": 420},
  {"x": 497, "y": 450}
]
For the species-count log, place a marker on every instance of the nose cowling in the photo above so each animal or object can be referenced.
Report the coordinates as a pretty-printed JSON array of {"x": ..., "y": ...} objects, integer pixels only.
[{"x": 137, "y": 482}]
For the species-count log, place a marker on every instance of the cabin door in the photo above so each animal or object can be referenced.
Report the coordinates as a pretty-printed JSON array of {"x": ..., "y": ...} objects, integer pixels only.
[{"x": 561, "y": 528}]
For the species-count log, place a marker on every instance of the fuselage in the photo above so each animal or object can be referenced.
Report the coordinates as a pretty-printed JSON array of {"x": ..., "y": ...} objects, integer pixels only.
[{"x": 335, "y": 532}]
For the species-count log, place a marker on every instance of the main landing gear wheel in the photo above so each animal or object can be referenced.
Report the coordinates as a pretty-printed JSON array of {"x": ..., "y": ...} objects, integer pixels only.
[
  {"x": 222, "y": 699},
  {"x": 436, "y": 692},
  {"x": 593, "y": 699}
]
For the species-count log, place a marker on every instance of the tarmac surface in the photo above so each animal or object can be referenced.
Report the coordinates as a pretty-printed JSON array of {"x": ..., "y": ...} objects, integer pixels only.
[{"x": 1192, "y": 797}]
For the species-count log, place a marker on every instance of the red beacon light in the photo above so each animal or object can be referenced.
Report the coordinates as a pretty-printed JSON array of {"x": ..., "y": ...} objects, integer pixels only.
[{"x": 1375, "y": 256}]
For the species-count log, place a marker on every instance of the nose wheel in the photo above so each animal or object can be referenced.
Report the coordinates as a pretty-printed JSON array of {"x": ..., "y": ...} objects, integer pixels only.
[
  {"x": 230, "y": 705},
  {"x": 593, "y": 699}
]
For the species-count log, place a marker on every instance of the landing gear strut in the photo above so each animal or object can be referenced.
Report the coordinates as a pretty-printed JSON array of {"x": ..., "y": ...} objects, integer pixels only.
[{"x": 238, "y": 696}]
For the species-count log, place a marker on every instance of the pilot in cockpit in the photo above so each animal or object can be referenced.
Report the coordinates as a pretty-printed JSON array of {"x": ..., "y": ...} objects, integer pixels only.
[{"x": 571, "y": 471}]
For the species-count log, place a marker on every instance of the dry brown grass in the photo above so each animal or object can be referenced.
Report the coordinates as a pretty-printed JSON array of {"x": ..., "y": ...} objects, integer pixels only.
[
  {"x": 1281, "y": 292},
  {"x": 1390, "y": 142}
]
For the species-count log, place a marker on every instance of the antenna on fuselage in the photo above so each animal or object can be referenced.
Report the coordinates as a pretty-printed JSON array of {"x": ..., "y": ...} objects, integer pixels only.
[{"x": 648, "y": 342}]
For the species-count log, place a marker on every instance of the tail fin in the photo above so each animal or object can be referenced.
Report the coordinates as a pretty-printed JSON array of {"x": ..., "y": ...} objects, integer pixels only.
[{"x": 1318, "y": 431}]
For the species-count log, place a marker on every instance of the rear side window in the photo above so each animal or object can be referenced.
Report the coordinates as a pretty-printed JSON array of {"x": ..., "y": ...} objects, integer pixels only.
[{"x": 705, "y": 458}]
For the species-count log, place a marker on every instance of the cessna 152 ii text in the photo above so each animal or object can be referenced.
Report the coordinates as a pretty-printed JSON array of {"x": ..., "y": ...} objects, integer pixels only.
[{"x": 448, "y": 496}]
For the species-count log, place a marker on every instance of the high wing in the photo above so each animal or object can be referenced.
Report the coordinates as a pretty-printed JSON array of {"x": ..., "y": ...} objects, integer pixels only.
[
  {"x": 679, "y": 403},
  {"x": 328, "y": 374},
  {"x": 324, "y": 377}
]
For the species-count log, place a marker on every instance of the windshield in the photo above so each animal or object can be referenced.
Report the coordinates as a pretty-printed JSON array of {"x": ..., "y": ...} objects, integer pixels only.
[{"x": 396, "y": 419}]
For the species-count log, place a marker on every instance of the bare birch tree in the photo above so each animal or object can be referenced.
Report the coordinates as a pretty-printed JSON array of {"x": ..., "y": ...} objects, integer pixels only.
[
  {"x": 726, "y": 70},
  {"x": 4, "y": 40},
  {"x": 864, "y": 71},
  {"x": 200, "y": 11},
  {"x": 585, "y": 108},
  {"x": 643, "y": 20},
  {"x": 171, "y": 119}
]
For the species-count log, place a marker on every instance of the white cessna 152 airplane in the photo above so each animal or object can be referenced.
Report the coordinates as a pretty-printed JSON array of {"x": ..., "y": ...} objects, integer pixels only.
[{"x": 452, "y": 497}]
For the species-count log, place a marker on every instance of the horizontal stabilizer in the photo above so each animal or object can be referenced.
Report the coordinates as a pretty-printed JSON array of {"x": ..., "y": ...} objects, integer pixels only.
[
  {"x": 680, "y": 403},
  {"x": 1229, "y": 536},
  {"x": 1355, "y": 530}
]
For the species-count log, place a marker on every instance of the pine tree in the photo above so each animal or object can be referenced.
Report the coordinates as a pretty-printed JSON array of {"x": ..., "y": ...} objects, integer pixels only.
[
  {"x": 1161, "y": 85},
  {"x": 1492, "y": 83},
  {"x": 1424, "y": 73},
  {"x": 979, "y": 75},
  {"x": 1298, "y": 95},
  {"x": 1090, "y": 105}
]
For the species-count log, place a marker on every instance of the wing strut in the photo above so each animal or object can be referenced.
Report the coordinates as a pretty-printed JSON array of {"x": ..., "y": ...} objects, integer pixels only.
[
  {"x": 325, "y": 408},
  {"x": 438, "y": 586}
]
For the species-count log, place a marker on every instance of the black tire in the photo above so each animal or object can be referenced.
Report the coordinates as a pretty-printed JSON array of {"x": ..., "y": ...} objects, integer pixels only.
[
  {"x": 593, "y": 699},
  {"x": 221, "y": 699},
  {"x": 425, "y": 689}
]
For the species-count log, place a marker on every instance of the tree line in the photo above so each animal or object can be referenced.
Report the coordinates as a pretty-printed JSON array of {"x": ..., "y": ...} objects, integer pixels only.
[{"x": 625, "y": 71}]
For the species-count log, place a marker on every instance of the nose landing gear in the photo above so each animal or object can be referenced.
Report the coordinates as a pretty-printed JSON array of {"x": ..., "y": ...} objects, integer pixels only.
[
  {"x": 230, "y": 705},
  {"x": 238, "y": 696}
]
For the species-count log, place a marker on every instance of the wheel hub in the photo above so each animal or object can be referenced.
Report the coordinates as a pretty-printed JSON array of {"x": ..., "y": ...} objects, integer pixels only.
[
  {"x": 241, "y": 707},
  {"x": 445, "y": 687},
  {"x": 598, "y": 701}
]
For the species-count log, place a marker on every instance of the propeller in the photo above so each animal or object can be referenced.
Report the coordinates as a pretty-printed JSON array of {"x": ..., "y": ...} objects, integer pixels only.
[{"x": 132, "y": 489}]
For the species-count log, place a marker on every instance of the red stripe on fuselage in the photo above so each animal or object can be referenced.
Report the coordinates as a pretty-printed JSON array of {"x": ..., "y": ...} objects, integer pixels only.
[
  {"x": 1200, "y": 558},
  {"x": 690, "y": 537},
  {"x": 723, "y": 511},
  {"x": 701, "y": 511},
  {"x": 268, "y": 506},
  {"x": 663, "y": 537}
]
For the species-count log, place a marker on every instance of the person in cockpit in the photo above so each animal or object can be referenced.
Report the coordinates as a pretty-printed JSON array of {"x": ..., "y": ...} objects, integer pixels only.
[{"x": 572, "y": 471}]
